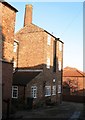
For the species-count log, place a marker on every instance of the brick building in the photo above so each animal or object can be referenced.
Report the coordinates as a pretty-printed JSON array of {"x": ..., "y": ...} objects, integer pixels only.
[
  {"x": 7, "y": 27},
  {"x": 73, "y": 85},
  {"x": 38, "y": 63}
]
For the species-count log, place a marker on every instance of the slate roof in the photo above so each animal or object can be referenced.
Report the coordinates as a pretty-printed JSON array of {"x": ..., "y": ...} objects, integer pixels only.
[
  {"x": 7, "y": 4},
  {"x": 22, "y": 78},
  {"x": 72, "y": 72}
]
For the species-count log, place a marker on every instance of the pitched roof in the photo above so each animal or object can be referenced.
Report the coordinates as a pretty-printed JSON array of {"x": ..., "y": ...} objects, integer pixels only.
[
  {"x": 31, "y": 28},
  {"x": 7, "y": 4},
  {"x": 72, "y": 72}
]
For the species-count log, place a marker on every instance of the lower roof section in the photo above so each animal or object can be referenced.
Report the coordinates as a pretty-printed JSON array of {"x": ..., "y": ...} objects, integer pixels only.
[{"x": 23, "y": 77}]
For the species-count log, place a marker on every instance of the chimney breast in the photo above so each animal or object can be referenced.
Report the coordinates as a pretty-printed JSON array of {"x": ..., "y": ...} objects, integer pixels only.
[{"x": 28, "y": 15}]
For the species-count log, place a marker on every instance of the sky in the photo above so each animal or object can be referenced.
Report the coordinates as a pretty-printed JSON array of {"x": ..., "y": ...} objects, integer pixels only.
[{"x": 64, "y": 20}]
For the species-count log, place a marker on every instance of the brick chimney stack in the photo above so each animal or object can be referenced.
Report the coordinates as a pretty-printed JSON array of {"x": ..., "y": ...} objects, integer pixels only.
[{"x": 28, "y": 15}]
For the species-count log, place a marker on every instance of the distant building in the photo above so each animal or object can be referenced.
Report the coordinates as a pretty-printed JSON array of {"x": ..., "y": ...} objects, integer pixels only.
[
  {"x": 7, "y": 27},
  {"x": 73, "y": 81},
  {"x": 38, "y": 63}
]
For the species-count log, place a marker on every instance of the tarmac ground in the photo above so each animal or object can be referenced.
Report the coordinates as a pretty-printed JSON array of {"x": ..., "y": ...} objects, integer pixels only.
[{"x": 64, "y": 111}]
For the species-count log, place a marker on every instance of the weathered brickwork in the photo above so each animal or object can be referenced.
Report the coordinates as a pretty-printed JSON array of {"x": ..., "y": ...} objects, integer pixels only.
[
  {"x": 75, "y": 80},
  {"x": 7, "y": 75},
  {"x": 36, "y": 46},
  {"x": 8, "y": 27},
  {"x": 80, "y": 84}
]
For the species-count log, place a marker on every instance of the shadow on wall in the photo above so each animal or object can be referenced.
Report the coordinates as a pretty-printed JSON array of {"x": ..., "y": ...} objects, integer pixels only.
[
  {"x": 6, "y": 73},
  {"x": 71, "y": 87},
  {"x": 23, "y": 76},
  {"x": 72, "y": 94}
]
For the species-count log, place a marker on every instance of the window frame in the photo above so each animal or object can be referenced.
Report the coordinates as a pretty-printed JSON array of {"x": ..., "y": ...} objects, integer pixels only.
[
  {"x": 34, "y": 91},
  {"x": 16, "y": 89},
  {"x": 60, "y": 65},
  {"x": 49, "y": 40},
  {"x": 15, "y": 46},
  {"x": 47, "y": 92},
  {"x": 54, "y": 90},
  {"x": 48, "y": 63},
  {"x": 60, "y": 46}
]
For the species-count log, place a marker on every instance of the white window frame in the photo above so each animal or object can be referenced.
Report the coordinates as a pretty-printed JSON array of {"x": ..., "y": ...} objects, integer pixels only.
[
  {"x": 34, "y": 91},
  {"x": 15, "y": 46},
  {"x": 54, "y": 90},
  {"x": 48, "y": 63},
  {"x": 49, "y": 40},
  {"x": 15, "y": 88},
  {"x": 59, "y": 88},
  {"x": 15, "y": 64},
  {"x": 48, "y": 93},
  {"x": 59, "y": 63},
  {"x": 60, "y": 46}
]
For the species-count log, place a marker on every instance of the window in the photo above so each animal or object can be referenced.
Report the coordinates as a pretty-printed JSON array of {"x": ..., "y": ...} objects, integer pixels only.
[
  {"x": 48, "y": 62},
  {"x": 54, "y": 58},
  {"x": 60, "y": 46},
  {"x": 15, "y": 46},
  {"x": 48, "y": 40},
  {"x": 47, "y": 90},
  {"x": 34, "y": 91},
  {"x": 14, "y": 65},
  {"x": 54, "y": 90},
  {"x": 60, "y": 65},
  {"x": 14, "y": 91},
  {"x": 59, "y": 88}
]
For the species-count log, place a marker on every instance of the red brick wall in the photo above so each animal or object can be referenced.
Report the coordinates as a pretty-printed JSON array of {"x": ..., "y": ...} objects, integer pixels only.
[
  {"x": 7, "y": 75},
  {"x": 33, "y": 53},
  {"x": 8, "y": 27},
  {"x": 80, "y": 84},
  {"x": 7, "y": 23}
]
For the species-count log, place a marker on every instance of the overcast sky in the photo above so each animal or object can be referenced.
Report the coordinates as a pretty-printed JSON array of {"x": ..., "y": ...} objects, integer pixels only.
[{"x": 64, "y": 20}]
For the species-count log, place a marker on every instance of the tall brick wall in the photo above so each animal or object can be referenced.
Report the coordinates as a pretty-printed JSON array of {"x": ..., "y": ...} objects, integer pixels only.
[
  {"x": 8, "y": 27},
  {"x": 31, "y": 51},
  {"x": 7, "y": 75},
  {"x": 33, "y": 48}
]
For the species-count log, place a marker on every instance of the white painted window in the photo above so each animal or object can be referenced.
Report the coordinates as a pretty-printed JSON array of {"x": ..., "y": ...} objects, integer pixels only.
[
  {"x": 48, "y": 63},
  {"x": 53, "y": 80},
  {"x": 47, "y": 90},
  {"x": 34, "y": 91},
  {"x": 59, "y": 88},
  {"x": 14, "y": 91},
  {"x": 15, "y": 46},
  {"x": 54, "y": 90},
  {"x": 60, "y": 46},
  {"x": 49, "y": 40},
  {"x": 14, "y": 65},
  {"x": 59, "y": 65}
]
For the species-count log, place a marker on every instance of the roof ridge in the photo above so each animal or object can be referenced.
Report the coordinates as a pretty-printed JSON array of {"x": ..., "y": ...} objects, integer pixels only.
[
  {"x": 80, "y": 72},
  {"x": 27, "y": 26}
]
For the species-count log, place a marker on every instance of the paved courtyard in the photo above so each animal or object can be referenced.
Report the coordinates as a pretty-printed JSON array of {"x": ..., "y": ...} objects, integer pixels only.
[{"x": 65, "y": 111}]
